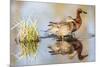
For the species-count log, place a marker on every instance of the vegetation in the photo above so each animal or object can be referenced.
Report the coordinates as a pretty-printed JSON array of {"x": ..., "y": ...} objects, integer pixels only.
[{"x": 28, "y": 38}]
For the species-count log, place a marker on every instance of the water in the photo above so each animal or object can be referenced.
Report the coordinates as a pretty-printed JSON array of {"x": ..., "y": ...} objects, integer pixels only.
[{"x": 45, "y": 13}]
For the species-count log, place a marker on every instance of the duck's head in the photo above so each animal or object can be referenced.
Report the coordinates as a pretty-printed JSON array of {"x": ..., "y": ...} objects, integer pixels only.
[{"x": 79, "y": 10}]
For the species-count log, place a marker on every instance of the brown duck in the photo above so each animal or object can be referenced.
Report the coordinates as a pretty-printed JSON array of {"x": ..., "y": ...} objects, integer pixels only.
[{"x": 66, "y": 28}]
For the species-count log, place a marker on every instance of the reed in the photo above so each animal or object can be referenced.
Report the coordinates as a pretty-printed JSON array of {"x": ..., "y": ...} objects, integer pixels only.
[{"x": 28, "y": 38}]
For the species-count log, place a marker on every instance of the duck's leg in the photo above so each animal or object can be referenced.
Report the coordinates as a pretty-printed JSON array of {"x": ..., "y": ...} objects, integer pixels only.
[
  {"x": 73, "y": 35},
  {"x": 59, "y": 38},
  {"x": 70, "y": 36},
  {"x": 62, "y": 37}
]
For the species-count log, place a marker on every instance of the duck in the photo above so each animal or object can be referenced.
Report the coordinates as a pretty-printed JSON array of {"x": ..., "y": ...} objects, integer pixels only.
[{"x": 68, "y": 27}]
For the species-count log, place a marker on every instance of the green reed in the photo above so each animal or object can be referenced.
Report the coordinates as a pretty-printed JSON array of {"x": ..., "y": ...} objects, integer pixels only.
[{"x": 29, "y": 38}]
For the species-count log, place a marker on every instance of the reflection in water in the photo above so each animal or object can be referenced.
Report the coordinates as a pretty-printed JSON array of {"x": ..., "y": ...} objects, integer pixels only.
[
  {"x": 30, "y": 49},
  {"x": 69, "y": 46},
  {"x": 46, "y": 12}
]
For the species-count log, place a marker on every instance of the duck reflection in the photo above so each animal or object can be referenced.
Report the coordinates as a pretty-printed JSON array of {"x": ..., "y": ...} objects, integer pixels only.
[{"x": 68, "y": 46}]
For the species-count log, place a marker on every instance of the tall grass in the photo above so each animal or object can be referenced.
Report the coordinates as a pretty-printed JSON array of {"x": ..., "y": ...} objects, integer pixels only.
[{"x": 28, "y": 38}]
